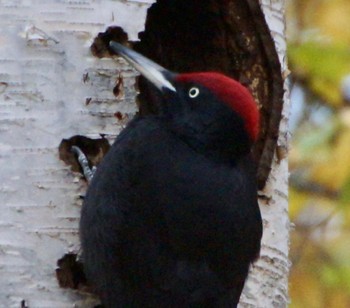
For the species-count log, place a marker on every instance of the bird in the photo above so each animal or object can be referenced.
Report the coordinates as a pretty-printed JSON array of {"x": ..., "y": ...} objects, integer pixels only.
[{"x": 171, "y": 216}]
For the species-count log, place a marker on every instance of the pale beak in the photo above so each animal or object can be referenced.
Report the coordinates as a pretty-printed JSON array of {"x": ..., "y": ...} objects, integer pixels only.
[{"x": 156, "y": 74}]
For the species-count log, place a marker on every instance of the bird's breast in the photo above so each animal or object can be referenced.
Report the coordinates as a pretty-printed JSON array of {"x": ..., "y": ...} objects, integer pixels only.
[{"x": 197, "y": 200}]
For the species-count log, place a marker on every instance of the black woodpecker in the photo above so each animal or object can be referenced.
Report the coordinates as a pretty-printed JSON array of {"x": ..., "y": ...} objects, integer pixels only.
[{"x": 171, "y": 217}]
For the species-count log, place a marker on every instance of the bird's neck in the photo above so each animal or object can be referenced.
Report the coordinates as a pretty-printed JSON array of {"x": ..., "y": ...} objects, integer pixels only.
[{"x": 220, "y": 140}]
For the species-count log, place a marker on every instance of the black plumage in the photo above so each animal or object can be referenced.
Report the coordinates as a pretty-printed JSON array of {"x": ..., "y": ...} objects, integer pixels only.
[{"x": 171, "y": 217}]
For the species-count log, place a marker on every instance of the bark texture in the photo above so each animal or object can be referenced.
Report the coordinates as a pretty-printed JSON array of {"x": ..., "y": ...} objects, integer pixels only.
[
  {"x": 51, "y": 88},
  {"x": 267, "y": 285}
]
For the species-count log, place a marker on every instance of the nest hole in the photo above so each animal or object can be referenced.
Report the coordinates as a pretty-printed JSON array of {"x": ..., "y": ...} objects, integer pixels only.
[{"x": 94, "y": 149}]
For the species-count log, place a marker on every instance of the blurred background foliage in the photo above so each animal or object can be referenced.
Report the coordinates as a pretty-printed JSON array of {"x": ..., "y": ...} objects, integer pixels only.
[{"x": 319, "y": 58}]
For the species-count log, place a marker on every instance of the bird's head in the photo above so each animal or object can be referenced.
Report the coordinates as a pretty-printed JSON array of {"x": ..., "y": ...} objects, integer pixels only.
[{"x": 210, "y": 111}]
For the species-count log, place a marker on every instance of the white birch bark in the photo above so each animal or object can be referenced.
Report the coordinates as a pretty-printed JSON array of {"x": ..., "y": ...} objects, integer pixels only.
[
  {"x": 267, "y": 285},
  {"x": 44, "y": 54}
]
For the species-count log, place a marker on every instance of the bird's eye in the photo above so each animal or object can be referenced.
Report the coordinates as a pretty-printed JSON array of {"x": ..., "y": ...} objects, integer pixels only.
[{"x": 193, "y": 92}]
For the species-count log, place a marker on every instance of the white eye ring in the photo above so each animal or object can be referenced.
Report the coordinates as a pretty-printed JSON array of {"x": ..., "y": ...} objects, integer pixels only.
[{"x": 193, "y": 92}]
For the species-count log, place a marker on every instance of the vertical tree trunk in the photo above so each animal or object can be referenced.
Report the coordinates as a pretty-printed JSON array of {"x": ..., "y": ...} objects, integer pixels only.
[
  {"x": 51, "y": 88},
  {"x": 267, "y": 285}
]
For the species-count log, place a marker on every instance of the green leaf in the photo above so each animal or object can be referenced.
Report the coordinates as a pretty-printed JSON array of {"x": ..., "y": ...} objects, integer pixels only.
[{"x": 322, "y": 66}]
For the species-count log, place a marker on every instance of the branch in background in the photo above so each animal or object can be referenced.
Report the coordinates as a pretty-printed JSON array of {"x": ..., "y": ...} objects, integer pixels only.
[{"x": 299, "y": 183}]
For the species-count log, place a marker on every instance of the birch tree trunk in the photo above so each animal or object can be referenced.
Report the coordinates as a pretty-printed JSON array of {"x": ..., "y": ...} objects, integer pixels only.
[
  {"x": 267, "y": 285},
  {"x": 51, "y": 88}
]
